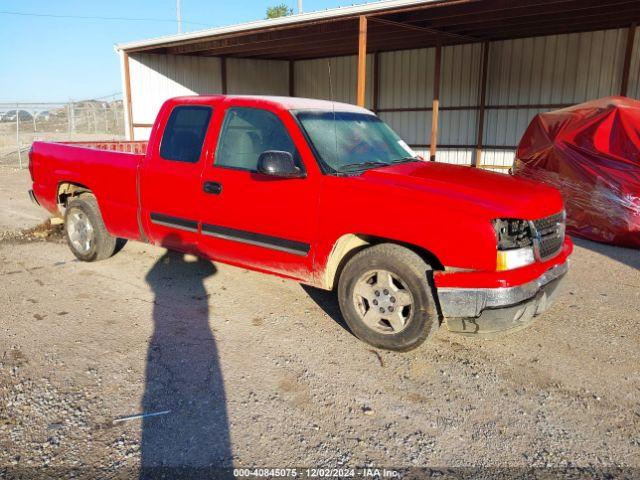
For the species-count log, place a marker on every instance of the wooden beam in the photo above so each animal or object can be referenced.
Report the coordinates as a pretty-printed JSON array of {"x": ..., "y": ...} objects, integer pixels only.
[
  {"x": 482, "y": 96},
  {"x": 292, "y": 78},
  {"x": 127, "y": 94},
  {"x": 223, "y": 74},
  {"x": 626, "y": 67},
  {"x": 376, "y": 82},
  {"x": 436, "y": 104},
  {"x": 362, "y": 61}
]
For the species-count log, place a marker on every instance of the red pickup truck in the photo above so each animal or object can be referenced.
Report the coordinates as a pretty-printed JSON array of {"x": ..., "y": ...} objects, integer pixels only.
[{"x": 325, "y": 194}]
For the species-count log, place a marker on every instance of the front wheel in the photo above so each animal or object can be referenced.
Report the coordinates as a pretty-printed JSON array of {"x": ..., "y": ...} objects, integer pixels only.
[
  {"x": 385, "y": 298},
  {"x": 86, "y": 234}
]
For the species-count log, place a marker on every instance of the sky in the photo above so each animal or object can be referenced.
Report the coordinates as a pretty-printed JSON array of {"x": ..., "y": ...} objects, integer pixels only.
[{"x": 46, "y": 58}]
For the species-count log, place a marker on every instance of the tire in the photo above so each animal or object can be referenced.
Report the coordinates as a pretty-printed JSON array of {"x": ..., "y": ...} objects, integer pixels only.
[
  {"x": 85, "y": 232},
  {"x": 364, "y": 281}
]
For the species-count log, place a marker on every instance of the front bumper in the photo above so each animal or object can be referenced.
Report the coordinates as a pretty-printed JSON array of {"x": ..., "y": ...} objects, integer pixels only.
[{"x": 484, "y": 311}]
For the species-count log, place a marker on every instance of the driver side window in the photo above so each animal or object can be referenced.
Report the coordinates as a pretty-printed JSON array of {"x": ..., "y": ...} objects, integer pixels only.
[{"x": 246, "y": 133}]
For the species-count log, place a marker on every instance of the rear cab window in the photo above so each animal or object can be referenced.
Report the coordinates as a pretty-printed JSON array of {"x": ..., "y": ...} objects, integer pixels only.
[{"x": 185, "y": 132}]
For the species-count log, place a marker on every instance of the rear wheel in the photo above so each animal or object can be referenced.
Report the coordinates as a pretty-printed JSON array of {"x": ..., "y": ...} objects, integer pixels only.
[
  {"x": 86, "y": 234},
  {"x": 385, "y": 298}
]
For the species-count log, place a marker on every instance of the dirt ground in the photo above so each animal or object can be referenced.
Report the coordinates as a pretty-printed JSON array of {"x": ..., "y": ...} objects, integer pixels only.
[{"x": 245, "y": 369}]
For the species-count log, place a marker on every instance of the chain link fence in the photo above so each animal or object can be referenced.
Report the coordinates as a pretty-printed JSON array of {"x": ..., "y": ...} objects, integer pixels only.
[{"x": 88, "y": 120}]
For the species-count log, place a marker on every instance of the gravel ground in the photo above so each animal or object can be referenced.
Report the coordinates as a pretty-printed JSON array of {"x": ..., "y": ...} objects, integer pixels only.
[{"x": 246, "y": 369}]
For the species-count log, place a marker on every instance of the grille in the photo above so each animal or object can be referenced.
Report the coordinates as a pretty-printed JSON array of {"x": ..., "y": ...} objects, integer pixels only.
[{"x": 549, "y": 235}]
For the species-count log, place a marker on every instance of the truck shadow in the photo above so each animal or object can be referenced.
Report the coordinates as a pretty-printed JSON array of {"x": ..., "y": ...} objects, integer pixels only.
[
  {"x": 328, "y": 302},
  {"x": 183, "y": 377},
  {"x": 626, "y": 256}
]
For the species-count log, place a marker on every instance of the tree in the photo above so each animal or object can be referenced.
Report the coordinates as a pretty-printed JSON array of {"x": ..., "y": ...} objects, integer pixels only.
[{"x": 279, "y": 11}]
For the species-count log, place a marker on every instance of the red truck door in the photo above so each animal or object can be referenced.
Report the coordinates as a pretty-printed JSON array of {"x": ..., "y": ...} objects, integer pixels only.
[
  {"x": 253, "y": 219},
  {"x": 170, "y": 183}
]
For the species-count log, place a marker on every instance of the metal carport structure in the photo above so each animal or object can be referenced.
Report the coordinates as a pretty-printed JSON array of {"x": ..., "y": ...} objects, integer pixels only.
[{"x": 458, "y": 79}]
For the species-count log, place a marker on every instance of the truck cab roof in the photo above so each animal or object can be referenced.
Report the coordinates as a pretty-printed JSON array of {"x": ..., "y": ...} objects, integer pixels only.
[{"x": 273, "y": 102}]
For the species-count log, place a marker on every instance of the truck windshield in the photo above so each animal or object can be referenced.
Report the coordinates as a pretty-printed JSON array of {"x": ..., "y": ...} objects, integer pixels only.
[{"x": 352, "y": 142}]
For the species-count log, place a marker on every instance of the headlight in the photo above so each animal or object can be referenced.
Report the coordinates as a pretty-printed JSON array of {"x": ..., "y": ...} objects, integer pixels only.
[
  {"x": 510, "y": 259},
  {"x": 512, "y": 233},
  {"x": 514, "y": 243}
]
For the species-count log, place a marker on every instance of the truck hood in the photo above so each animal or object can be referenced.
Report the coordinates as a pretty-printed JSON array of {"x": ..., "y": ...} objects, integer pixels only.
[{"x": 492, "y": 194}]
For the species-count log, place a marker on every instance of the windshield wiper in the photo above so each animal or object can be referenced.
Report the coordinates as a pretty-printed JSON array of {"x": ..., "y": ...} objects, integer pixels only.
[
  {"x": 405, "y": 159},
  {"x": 362, "y": 166}
]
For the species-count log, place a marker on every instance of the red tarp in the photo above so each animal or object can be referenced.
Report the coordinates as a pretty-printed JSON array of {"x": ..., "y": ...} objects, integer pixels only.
[{"x": 591, "y": 153}]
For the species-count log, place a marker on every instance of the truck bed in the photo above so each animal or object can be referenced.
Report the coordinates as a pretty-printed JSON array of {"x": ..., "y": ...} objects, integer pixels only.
[
  {"x": 122, "y": 146},
  {"x": 108, "y": 169}
]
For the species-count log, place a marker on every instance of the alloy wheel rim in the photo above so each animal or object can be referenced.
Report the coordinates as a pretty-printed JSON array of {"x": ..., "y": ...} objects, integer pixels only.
[
  {"x": 383, "y": 301},
  {"x": 80, "y": 230}
]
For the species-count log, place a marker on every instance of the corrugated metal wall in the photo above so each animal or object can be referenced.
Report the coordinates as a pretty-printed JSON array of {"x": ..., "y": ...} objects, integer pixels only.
[
  {"x": 459, "y": 87},
  {"x": 413, "y": 89},
  {"x": 406, "y": 84},
  {"x": 406, "y": 87},
  {"x": 257, "y": 77},
  {"x": 155, "y": 78},
  {"x": 524, "y": 77},
  {"x": 312, "y": 78}
]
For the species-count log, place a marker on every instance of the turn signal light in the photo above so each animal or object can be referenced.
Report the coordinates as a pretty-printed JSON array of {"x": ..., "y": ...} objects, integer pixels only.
[{"x": 516, "y": 258}]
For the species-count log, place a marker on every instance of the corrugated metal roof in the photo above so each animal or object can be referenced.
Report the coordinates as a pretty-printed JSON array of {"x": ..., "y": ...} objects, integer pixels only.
[{"x": 275, "y": 22}]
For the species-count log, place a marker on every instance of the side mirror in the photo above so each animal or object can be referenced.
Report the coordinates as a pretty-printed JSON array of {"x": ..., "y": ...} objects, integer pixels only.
[{"x": 278, "y": 164}]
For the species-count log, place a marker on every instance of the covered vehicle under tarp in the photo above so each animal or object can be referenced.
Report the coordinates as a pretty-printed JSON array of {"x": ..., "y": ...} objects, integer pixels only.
[{"x": 591, "y": 153}]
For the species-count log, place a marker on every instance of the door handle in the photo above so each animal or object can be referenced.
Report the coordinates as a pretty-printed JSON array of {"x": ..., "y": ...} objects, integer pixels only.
[{"x": 214, "y": 188}]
